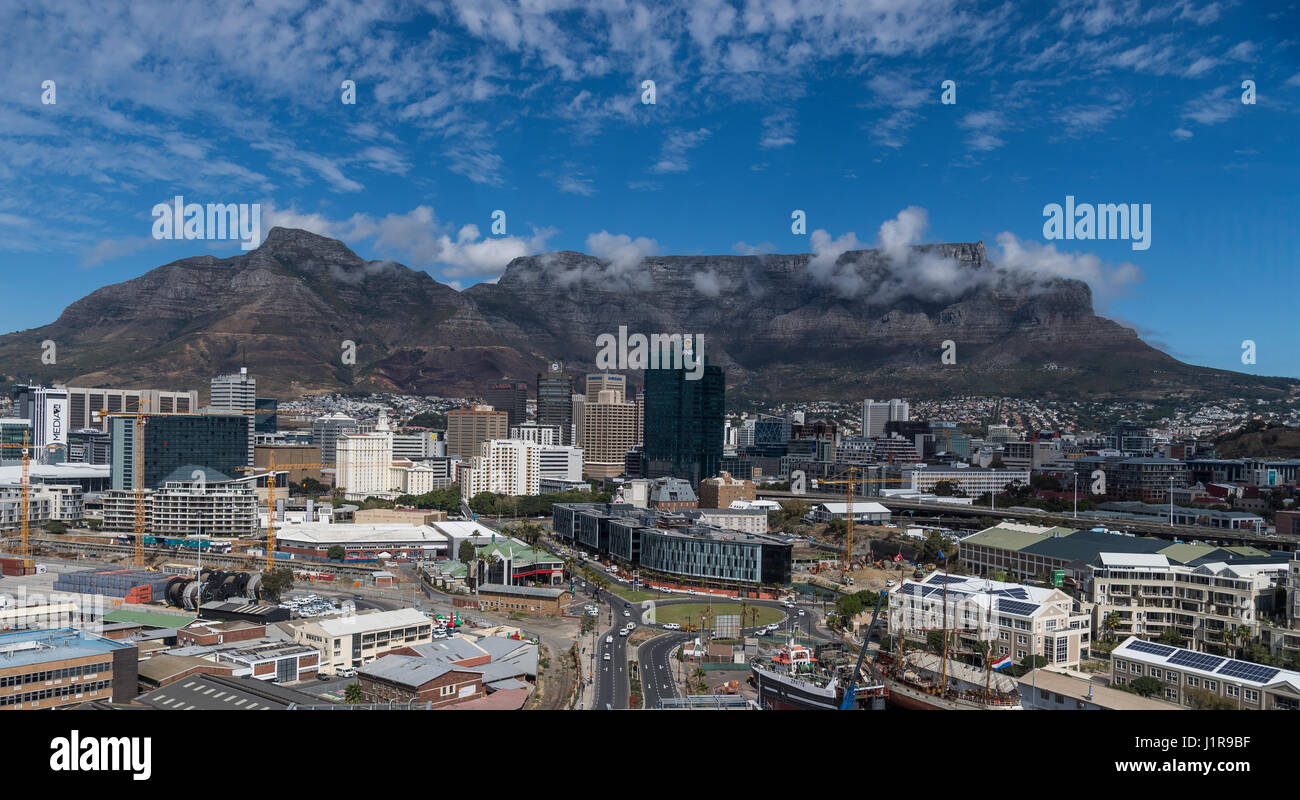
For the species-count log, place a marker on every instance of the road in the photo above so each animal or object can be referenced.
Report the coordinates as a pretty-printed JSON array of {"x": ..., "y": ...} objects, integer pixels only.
[
  {"x": 658, "y": 679},
  {"x": 612, "y": 686}
]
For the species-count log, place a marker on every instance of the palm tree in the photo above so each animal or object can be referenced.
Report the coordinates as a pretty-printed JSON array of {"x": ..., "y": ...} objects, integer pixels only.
[
  {"x": 352, "y": 694},
  {"x": 1110, "y": 623}
]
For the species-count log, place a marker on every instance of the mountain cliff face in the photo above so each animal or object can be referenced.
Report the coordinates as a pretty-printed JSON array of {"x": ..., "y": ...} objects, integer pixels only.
[{"x": 781, "y": 325}]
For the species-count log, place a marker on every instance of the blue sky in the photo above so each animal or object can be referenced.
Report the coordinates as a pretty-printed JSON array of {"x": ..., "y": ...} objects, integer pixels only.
[{"x": 761, "y": 108}]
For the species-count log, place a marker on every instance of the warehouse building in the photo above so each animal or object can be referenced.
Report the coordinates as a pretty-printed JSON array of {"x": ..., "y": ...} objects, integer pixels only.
[
  {"x": 357, "y": 639},
  {"x": 396, "y": 541},
  {"x": 523, "y": 599}
]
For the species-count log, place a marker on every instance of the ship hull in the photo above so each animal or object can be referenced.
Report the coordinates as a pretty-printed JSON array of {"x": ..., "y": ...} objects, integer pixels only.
[{"x": 782, "y": 694}]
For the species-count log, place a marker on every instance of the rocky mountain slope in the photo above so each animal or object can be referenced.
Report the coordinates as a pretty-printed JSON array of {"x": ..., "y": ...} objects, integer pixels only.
[{"x": 781, "y": 325}]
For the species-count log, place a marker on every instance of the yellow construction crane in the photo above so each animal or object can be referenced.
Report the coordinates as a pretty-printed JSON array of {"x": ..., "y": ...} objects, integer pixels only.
[
  {"x": 24, "y": 492},
  {"x": 852, "y": 480},
  {"x": 271, "y": 468}
]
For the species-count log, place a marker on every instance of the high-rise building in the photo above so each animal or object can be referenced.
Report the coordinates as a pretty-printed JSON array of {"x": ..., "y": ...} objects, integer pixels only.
[
  {"x": 683, "y": 424},
  {"x": 537, "y": 433},
  {"x": 14, "y": 433},
  {"x": 87, "y": 407},
  {"x": 267, "y": 421},
  {"x": 89, "y": 446},
  {"x": 237, "y": 392},
  {"x": 598, "y": 382},
  {"x": 365, "y": 462},
  {"x": 47, "y": 409},
  {"x": 510, "y": 396},
  {"x": 608, "y": 430},
  {"x": 555, "y": 401},
  {"x": 217, "y": 442},
  {"x": 468, "y": 428},
  {"x": 326, "y": 432},
  {"x": 875, "y": 415}
]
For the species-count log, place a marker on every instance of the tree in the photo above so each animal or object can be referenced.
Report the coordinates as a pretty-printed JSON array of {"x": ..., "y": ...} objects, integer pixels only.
[
  {"x": 352, "y": 694},
  {"x": 336, "y": 553},
  {"x": 55, "y": 526},
  {"x": 1171, "y": 636},
  {"x": 276, "y": 582},
  {"x": 428, "y": 419},
  {"x": 1205, "y": 700},
  {"x": 948, "y": 489},
  {"x": 466, "y": 552},
  {"x": 1110, "y": 623},
  {"x": 1146, "y": 686},
  {"x": 94, "y": 524}
]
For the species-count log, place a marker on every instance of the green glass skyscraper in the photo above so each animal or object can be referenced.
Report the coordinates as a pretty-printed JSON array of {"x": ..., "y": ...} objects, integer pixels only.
[{"x": 683, "y": 424}]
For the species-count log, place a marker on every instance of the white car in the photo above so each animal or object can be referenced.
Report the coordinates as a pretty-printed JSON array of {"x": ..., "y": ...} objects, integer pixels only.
[
  {"x": 627, "y": 613},
  {"x": 890, "y": 583},
  {"x": 622, "y": 632},
  {"x": 607, "y": 656},
  {"x": 801, "y": 612},
  {"x": 672, "y": 626},
  {"x": 631, "y": 626},
  {"x": 609, "y": 640}
]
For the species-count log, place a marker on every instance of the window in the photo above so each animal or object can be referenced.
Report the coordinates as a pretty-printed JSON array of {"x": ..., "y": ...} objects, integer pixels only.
[
  {"x": 1232, "y": 691},
  {"x": 1121, "y": 666},
  {"x": 1171, "y": 694},
  {"x": 1193, "y": 681},
  {"x": 1213, "y": 686},
  {"x": 1022, "y": 639},
  {"x": 1252, "y": 695},
  {"x": 1155, "y": 673}
]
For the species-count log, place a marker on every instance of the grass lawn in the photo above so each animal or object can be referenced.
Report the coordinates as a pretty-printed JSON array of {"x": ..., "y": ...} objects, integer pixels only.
[
  {"x": 679, "y": 613},
  {"x": 635, "y": 595}
]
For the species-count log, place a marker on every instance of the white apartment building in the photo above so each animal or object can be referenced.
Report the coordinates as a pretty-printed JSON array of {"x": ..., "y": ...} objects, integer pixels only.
[
  {"x": 1148, "y": 595},
  {"x": 42, "y": 506},
  {"x": 516, "y": 467},
  {"x": 365, "y": 463},
  {"x": 180, "y": 508},
  {"x": 357, "y": 639},
  {"x": 974, "y": 481},
  {"x": 1249, "y": 685},
  {"x": 1015, "y": 619},
  {"x": 325, "y": 432}
]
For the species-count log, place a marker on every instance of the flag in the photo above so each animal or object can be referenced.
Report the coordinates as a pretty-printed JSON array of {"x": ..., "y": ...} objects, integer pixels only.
[
  {"x": 1005, "y": 661},
  {"x": 898, "y": 557}
]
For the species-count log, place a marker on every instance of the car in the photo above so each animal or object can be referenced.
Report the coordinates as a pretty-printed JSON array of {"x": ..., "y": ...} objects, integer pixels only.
[
  {"x": 320, "y": 676},
  {"x": 347, "y": 672},
  {"x": 358, "y": 597},
  {"x": 890, "y": 583},
  {"x": 607, "y": 656},
  {"x": 627, "y": 613},
  {"x": 801, "y": 612},
  {"x": 622, "y": 632},
  {"x": 626, "y": 604},
  {"x": 631, "y": 626},
  {"x": 609, "y": 640},
  {"x": 672, "y": 626}
]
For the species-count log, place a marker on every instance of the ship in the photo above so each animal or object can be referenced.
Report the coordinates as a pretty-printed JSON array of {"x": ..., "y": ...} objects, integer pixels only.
[
  {"x": 919, "y": 682},
  {"x": 796, "y": 677}
]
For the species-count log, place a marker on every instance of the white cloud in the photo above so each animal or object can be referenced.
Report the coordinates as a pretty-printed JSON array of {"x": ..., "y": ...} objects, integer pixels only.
[{"x": 673, "y": 156}]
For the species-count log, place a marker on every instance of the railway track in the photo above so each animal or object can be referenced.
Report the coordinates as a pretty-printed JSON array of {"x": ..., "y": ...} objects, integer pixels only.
[{"x": 227, "y": 560}]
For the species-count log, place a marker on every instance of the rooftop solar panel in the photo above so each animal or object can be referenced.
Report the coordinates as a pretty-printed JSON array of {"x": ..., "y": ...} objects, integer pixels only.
[
  {"x": 1017, "y": 607},
  {"x": 1152, "y": 648},
  {"x": 940, "y": 579},
  {"x": 1188, "y": 658},
  {"x": 1017, "y": 592},
  {"x": 1248, "y": 671}
]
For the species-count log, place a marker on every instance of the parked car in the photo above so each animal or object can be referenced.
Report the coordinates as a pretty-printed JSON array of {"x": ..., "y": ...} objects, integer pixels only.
[
  {"x": 347, "y": 672},
  {"x": 672, "y": 626}
]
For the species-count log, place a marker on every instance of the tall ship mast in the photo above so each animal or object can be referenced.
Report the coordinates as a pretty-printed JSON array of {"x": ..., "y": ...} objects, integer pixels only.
[{"x": 923, "y": 680}]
